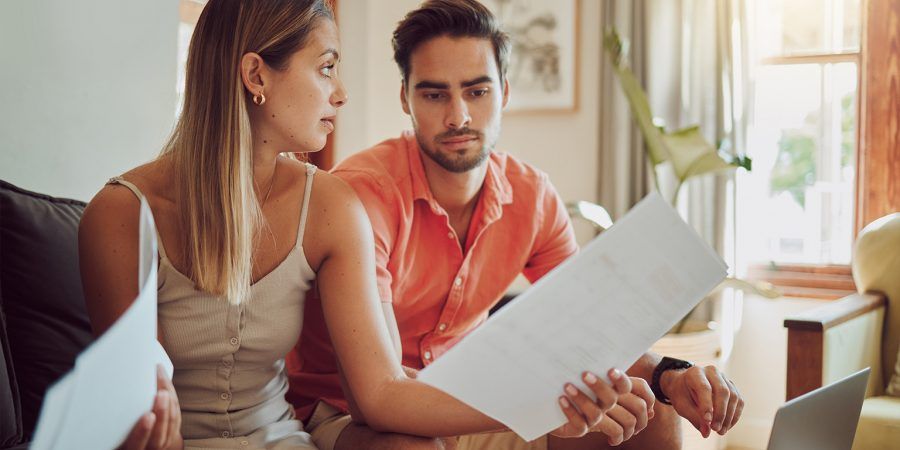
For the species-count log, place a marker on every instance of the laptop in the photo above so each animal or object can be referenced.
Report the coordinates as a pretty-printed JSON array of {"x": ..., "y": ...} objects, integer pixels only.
[{"x": 823, "y": 419}]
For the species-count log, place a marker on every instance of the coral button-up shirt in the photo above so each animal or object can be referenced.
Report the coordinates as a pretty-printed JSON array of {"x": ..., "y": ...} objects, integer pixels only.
[{"x": 440, "y": 291}]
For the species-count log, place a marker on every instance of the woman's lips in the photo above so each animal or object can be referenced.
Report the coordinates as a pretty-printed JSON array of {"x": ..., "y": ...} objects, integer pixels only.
[{"x": 328, "y": 123}]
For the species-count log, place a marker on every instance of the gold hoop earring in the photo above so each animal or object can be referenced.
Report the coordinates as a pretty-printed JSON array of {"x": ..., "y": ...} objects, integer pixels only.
[{"x": 259, "y": 99}]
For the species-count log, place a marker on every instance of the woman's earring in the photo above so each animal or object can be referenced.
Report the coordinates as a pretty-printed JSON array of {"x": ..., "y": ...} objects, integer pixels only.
[{"x": 259, "y": 99}]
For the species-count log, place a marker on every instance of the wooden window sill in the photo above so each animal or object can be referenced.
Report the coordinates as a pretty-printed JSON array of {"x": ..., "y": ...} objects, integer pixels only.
[{"x": 826, "y": 282}]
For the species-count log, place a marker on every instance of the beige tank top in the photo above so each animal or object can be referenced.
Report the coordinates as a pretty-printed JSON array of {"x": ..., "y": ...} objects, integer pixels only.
[{"x": 229, "y": 359}]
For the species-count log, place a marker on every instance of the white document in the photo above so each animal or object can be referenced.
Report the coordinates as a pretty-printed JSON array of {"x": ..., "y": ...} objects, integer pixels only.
[
  {"x": 114, "y": 380},
  {"x": 601, "y": 309}
]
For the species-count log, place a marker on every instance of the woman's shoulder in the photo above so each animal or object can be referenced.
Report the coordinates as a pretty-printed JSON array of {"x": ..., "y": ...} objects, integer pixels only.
[
  {"x": 117, "y": 205},
  {"x": 326, "y": 187},
  {"x": 154, "y": 180},
  {"x": 334, "y": 189},
  {"x": 335, "y": 213}
]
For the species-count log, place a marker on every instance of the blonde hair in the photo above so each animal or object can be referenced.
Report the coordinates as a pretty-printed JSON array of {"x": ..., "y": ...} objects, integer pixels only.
[{"x": 210, "y": 148}]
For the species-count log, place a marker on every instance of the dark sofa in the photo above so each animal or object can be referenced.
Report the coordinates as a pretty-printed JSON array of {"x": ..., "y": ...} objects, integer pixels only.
[{"x": 43, "y": 322}]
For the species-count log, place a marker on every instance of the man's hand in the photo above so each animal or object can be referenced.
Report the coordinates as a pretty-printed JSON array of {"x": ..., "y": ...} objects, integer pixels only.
[
  {"x": 584, "y": 413},
  {"x": 630, "y": 415},
  {"x": 703, "y": 396},
  {"x": 161, "y": 427}
]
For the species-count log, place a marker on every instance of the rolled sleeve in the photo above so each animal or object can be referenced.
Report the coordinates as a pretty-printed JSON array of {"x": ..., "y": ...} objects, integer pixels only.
[{"x": 555, "y": 239}]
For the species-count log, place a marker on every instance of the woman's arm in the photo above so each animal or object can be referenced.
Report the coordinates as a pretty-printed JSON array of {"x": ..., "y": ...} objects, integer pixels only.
[
  {"x": 108, "y": 257},
  {"x": 394, "y": 333},
  {"x": 388, "y": 399}
]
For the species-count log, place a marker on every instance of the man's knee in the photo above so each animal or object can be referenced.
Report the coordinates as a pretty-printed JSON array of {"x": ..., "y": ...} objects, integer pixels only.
[
  {"x": 360, "y": 437},
  {"x": 665, "y": 427},
  {"x": 405, "y": 442}
]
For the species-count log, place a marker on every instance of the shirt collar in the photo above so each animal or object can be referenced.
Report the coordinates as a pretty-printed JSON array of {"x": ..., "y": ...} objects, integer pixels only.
[{"x": 497, "y": 190}]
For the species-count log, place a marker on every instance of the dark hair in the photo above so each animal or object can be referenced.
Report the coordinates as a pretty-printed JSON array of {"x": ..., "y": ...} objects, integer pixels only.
[{"x": 454, "y": 18}]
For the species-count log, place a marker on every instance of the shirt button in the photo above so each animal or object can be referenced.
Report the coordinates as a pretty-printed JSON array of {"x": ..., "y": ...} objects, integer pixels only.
[
  {"x": 458, "y": 281},
  {"x": 225, "y": 396},
  {"x": 226, "y": 434},
  {"x": 442, "y": 327},
  {"x": 450, "y": 235},
  {"x": 428, "y": 355},
  {"x": 245, "y": 443},
  {"x": 234, "y": 341}
]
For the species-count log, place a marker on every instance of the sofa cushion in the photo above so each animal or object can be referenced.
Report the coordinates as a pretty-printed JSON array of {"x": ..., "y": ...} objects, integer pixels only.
[
  {"x": 879, "y": 424},
  {"x": 876, "y": 263},
  {"x": 40, "y": 291},
  {"x": 893, "y": 387},
  {"x": 11, "y": 417}
]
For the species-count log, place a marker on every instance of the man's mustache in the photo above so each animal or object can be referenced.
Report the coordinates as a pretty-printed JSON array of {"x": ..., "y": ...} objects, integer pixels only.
[{"x": 457, "y": 133}]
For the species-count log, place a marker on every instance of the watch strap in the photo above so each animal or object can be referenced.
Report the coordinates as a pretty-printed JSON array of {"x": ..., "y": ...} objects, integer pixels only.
[{"x": 665, "y": 364}]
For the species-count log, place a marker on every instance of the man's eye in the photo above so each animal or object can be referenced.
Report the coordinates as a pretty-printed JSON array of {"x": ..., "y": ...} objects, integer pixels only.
[
  {"x": 327, "y": 70},
  {"x": 479, "y": 93},
  {"x": 434, "y": 96}
]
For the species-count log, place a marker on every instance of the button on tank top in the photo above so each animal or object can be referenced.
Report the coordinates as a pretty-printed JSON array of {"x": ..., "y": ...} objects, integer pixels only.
[{"x": 229, "y": 359}]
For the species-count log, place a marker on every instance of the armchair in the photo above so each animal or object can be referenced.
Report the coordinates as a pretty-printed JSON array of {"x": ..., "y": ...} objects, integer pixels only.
[{"x": 860, "y": 330}]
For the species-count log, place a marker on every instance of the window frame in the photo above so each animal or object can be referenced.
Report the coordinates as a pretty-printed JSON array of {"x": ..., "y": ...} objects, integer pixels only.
[{"x": 877, "y": 148}]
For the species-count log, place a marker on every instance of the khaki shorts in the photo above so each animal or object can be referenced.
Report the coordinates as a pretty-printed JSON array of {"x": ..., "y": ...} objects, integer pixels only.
[{"x": 327, "y": 423}]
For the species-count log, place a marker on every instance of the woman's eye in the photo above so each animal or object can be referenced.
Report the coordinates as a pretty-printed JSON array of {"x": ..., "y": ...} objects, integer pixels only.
[{"x": 327, "y": 71}]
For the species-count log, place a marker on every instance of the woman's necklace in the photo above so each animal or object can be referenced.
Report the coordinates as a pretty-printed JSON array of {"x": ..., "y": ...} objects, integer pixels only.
[{"x": 269, "y": 190}]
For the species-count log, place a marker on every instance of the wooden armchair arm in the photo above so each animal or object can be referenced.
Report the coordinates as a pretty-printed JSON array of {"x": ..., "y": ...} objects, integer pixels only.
[{"x": 807, "y": 365}]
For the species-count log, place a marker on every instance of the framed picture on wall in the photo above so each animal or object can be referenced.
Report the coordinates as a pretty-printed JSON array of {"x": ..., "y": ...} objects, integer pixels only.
[{"x": 543, "y": 64}]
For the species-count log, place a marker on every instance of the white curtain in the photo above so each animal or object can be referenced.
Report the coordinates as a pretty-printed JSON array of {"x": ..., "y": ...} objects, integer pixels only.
[
  {"x": 624, "y": 176},
  {"x": 689, "y": 55}
]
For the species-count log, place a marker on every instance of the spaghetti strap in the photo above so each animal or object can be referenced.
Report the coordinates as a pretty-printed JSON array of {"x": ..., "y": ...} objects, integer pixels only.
[
  {"x": 140, "y": 195},
  {"x": 310, "y": 173}
]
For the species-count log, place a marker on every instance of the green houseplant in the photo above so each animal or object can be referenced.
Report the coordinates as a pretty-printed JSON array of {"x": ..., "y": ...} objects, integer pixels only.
[{"x": 685, "y": 150}]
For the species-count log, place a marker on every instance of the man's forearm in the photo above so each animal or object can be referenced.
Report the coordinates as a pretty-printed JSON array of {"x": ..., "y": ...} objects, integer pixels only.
[{"x": 644, "y": 366}]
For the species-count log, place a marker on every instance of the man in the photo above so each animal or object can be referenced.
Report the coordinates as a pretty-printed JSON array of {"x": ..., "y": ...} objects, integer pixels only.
[{"x": 455, "y": 222}]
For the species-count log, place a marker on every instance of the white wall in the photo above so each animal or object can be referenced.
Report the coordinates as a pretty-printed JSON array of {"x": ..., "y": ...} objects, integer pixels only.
[
  {"x": 88, "y": 90},
  {"x": 565, "y": 145}
]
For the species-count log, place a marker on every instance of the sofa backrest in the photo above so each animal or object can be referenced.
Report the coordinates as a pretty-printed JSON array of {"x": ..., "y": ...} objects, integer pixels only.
[{"x": 41, "y": 302}]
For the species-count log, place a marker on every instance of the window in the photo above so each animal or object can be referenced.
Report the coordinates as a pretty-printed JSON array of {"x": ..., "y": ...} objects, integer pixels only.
[{"x": 796, "y": 208}]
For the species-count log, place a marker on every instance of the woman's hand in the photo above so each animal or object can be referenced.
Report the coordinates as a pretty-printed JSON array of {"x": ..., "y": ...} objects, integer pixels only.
[
  {"x": 160, "y": 428},
  {"x": 631, "y": 414},
  {"x": 584, "y": 413}
]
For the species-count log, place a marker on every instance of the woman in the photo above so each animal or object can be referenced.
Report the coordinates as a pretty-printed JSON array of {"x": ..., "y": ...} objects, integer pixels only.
[{"x": 243, "y": 231}]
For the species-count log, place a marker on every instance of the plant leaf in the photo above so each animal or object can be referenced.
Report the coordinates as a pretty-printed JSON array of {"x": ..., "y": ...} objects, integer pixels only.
[
  {"x": 637, "y": 99},
  {"x": 691, "y": 154}
]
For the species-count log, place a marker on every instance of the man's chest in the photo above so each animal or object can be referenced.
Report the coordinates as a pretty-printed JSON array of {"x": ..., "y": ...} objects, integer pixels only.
[{"x": 430, "y": 268}]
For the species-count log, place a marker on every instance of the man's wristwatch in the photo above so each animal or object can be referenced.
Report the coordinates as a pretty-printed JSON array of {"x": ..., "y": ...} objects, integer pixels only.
[{"x": 664, "y": 365}]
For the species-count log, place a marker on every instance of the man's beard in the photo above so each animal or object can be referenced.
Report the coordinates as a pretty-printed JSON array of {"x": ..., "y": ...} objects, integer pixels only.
[{"x": 456, "y": 163}]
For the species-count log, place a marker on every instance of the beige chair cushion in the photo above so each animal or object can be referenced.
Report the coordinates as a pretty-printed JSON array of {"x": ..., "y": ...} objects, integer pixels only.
[
  {"x": 879, "y": 424},
  {"x": 893, "y": 388},
  {"x": 876, "y": 263}
]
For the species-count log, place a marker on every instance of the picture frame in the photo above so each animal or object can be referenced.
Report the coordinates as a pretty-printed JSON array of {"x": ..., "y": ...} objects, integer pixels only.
[{"x": 543, "y": 66}]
